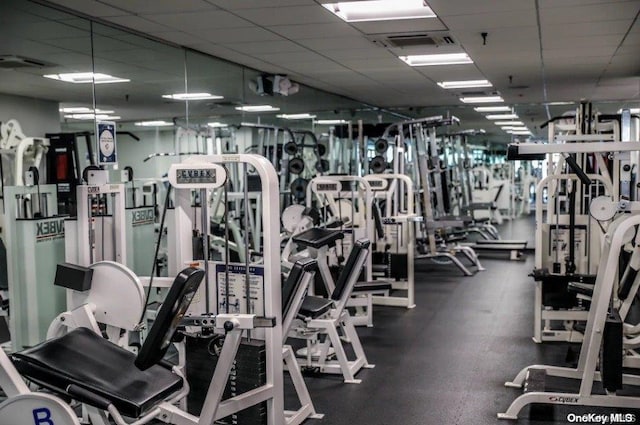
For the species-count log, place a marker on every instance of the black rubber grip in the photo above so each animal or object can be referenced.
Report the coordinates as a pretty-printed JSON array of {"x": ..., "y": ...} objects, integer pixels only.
[
  {"x": 578, "y": 171},
  {"x": 85, "y": 396}
]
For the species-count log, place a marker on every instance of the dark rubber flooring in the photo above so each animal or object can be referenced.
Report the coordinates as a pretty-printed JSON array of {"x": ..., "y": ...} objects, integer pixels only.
[{"x": 446, "y": 361}]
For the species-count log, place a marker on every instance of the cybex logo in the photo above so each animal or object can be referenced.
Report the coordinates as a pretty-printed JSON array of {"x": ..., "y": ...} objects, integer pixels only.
[
  {"x": 326, "y": 187},
  {"x": 141, "y": 217},
  {"x": 50, "y": 229}
]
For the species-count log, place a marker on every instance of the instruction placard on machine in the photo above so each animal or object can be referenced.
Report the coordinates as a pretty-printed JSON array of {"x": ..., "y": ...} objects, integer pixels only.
[{"x": 237, "y": 298}]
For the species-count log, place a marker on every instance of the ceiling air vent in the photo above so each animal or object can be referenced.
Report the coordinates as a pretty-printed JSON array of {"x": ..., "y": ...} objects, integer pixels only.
[
  {"x": 13, "y": 61},
  {"x": 415, "y": 40}
]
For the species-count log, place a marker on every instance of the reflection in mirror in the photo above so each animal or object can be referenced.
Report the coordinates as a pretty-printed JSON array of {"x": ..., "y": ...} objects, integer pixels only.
[
  {"x": 147, "y": 73},
  {"x": 46, "y": 62}
]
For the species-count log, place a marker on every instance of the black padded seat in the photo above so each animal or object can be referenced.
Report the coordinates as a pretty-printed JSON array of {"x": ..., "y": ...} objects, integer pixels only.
[
  {"x": 87, "y": 361},
  {"x": 371, "y": 287},
  {"x": 317, "y": 237},
  {"x": 314, "y": 307}
]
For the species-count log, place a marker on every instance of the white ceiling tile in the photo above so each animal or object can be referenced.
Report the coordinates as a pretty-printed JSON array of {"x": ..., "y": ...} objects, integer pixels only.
[
  {"x": 452, "y": 8},
  {"x": 571, "y": 44},
  {"x": 253, "y": 4},
  {"x": 178, "y": 37},
  {"x": 268, "y": 16},
  {"x": 558, "y": 31},
  {"x": 489, "y": 21},
  {"x": 159, "y": 6},
  {"x": 292, "y": 57},
  {"x": 138, "y": 23},
  {"x": 199, "y": 20},
  {"x": 370, "y": 53},
  {"x": 609, "y": 11},
  {"x": 276, "y": 46},
  {"x": 235, "y": 35},
  {"x": 323, "y": 44},
  {"x": 301, "y": 32},
  {"x": 91, "y": 7}
]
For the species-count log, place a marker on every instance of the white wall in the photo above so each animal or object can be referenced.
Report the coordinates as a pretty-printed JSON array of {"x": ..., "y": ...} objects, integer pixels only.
[{"x": 36, "y": 116}]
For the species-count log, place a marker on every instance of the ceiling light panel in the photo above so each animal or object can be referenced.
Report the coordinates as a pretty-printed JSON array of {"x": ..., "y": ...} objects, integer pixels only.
[
  {"x": 296, "y": 116},
  {"x": 92, "y": 117},
  {"x": 86, "y": 77},
  {"x": 467, "y": 84},
  {"x": 330, "y": 122},
  {"x": 493, "y": 109},
  {"x": 257, "y": 108},
  {"x": 439, "y": 59},
  {"x": 192, "y": 96},
  {"x": 501, "y": 116},
  {"x": 154, "y": 124},
  {"x": 481, "y": 99},
  {"x": 380, "y": 10},
  {"x": 217, "y": 125},
  {"x": 508, "y": 123}
]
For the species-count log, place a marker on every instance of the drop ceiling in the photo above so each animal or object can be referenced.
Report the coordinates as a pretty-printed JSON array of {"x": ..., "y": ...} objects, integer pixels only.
[{"x": 536, "y": 51}]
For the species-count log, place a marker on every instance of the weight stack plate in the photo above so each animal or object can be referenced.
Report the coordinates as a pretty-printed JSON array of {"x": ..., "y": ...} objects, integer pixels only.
[{"x": 248, "y": 372}]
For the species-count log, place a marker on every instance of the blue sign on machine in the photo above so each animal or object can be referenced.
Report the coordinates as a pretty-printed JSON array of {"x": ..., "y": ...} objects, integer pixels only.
[{"x": 106, "y": 140}]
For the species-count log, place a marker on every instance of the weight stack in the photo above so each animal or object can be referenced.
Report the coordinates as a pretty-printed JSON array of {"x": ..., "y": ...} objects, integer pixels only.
[{"x": 249, "y": 371}]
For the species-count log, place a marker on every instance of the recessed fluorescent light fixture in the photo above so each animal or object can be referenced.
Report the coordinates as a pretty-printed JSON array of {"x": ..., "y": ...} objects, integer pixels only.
[
  {"x": 92, "y": 117},
  {"x": 83, "y": 110},
  {"x": 508, "y": 123},
  {"x": 467, "y": 84},
  {"x": 257, "y": 108},
  {"x": 439, "y": 59},
  {"x": 521, "y": 128},
  {"x": 154, "y": 124},
  {"x": 521, "y": 133},
  {"x": 86, "y": 77},
  {"x": 493, "y": 109},
  {"x": 192, "y": 96},
  {"x": 296, "y": 116},
  {"x": 217, "y": 124},
  {"x": 507, "y": 127},
  {"x": 559, "y": 103},
  {"x": 502, "y": 117},
  {"x": 481, "y": 99},
  {"x": 380, "y": 10},
  {"x": 330, "y": 122},
  {"x": 631, "y": 110}
]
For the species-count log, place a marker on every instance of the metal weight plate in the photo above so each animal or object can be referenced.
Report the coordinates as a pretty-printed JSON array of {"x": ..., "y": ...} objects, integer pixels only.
[
  {"x": 299, "y": 189},
  {"x": 381, "y": 145},
  {"x": 378, "y": 164},
  {"x": 322, "y": 149},
  {"x": 296, "y": 166},
  {"x": 291, "y": 148},
  {"x": 291, "y": 216},
  {"x": 322, "y": 166}
]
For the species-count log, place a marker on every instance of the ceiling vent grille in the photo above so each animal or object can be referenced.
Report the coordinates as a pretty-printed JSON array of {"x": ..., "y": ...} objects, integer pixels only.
[
  {"x": 13, "y": 62},
  {"x": 408, "y": 40}
]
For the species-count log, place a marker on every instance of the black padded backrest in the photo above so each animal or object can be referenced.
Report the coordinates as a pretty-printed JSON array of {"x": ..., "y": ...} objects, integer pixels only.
[
  {"x": 348, "y": 268},
  {"x": 293, "y": 281},
  {"x": 173, "y": 308}
]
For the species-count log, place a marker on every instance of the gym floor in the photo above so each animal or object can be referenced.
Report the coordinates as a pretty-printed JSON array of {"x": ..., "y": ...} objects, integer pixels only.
[{"x": 446, "y": 361}]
